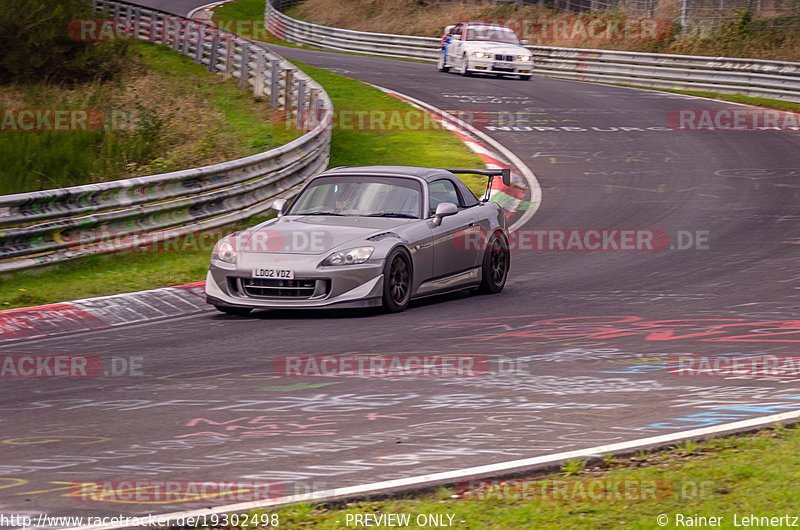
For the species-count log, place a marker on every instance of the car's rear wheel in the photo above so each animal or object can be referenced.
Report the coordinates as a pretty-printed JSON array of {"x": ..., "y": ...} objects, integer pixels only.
[
  {"x": 441, "y": 66},
  {"x": 496, "y": 261},
  {"x": 397, "y": 274},
  {"x": 524, "y": 77},
  {"x": 228, "y": 310}
]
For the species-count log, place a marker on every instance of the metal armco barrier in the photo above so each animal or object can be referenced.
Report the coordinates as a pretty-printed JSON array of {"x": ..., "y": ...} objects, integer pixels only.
[
  {"x": 129, "y": 213},
  {"x": 752, "y": 77}
]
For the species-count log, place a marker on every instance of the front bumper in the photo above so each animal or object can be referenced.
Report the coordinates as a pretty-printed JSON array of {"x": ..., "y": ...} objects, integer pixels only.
[
  {"x": 492, "y": 66},
  {"x": 343, "y": 287}
]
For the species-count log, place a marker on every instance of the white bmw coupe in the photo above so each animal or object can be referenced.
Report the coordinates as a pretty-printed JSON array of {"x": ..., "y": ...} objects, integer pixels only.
[{"x": 479, "y": 47}]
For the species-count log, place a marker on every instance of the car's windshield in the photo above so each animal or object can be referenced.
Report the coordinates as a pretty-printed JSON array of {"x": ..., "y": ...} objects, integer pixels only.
[
  {"x": 493, "y": 34},
  {"x": 360, "y": 196}
]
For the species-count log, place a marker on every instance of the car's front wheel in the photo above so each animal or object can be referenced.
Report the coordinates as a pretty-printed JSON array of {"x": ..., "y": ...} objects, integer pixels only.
[
  {"x": 524, "y": 77},
  {"x": 496, "y": 262},
  {"x": 397, "y": 274},
  {"x": 441, "y": 65},
  {"x": 464, "y": 66},
  {"x": 228, "y": 310}
]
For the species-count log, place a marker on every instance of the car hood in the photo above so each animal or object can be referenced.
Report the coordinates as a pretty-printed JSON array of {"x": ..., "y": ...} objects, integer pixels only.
[
  {"x": 313, "y": 234},
  {"x": 499, "y": 47}
]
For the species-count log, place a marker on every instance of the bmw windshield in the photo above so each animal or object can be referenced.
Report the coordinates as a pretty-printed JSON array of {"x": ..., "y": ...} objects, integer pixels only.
[
  {"x": 493, "y": 34},
  {"x": 360, "y": 196}
]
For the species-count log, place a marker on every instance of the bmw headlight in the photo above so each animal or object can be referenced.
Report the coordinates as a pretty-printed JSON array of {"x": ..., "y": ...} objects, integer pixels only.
[
  {"x": 482, "y": 55},
  {"x": 349, "y": 257},
  {"x": 525, "y": 58},
  {"x": 224, "y": 251}
]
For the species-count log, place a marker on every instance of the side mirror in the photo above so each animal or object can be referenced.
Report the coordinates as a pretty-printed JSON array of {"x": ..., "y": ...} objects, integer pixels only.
[
  {"x": 279, "y": 205},
  {"x": 506, "y": 175},
  {"x": 443, "y": 210},
  {"x": 524, "y": 42}
]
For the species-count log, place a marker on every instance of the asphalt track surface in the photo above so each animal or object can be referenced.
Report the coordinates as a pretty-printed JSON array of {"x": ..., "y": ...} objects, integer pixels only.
[{"x": 592, "y": 337}]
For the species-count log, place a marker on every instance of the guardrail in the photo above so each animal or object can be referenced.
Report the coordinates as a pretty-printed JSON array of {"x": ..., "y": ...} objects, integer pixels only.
[
  {"x": 752, "y": 77},
  {"x": 129, "y": 213}
]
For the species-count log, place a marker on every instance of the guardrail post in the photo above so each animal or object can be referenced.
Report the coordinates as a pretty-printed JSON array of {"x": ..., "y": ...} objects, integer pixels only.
[
  {"x": 258, "y": 85},
  {"x": 684, "y": 15},
  {"x": 164, "y": 30},
  {"x": 177, "y": 26},
  {"x": 230, "y": 51},
  {"x": 212, "y": 60},
  {"x": 275, "y": 83},
  {"x": 201, "y": 39},
  {"x": 153, "y": 22},
  {"x": 301, "y": 102},
  {"x": 137, "y": 26},
  {"x": 245, "y": 69},
  {"x": 186, "y": 37},
  {"x": 116, "y": 11},
  {"x": 310, "y": 119},
  {"x": 287, "y": 98}
]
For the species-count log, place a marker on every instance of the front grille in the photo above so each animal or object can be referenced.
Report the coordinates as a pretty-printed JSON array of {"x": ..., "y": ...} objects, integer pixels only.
[
  {"x": 500, "y": 57},
  {"x": 272, "y": 288}
]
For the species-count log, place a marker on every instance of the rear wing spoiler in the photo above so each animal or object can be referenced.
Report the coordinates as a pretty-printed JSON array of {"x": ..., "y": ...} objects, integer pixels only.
[{"x": 505, "y": 173}]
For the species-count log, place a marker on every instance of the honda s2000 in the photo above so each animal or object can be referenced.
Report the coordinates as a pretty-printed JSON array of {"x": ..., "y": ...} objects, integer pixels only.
[{"x": 365, "y": 236}]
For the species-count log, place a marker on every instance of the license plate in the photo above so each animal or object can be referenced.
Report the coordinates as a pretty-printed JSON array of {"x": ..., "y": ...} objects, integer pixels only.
[
  {"x": 277, "y": 274},
  {"x": 503, "y": 65}
]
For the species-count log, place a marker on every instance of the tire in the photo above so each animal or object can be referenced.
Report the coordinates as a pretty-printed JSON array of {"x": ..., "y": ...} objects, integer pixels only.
[
  {"x": 228, "y": 310},
  {"x": 440, "y": 64},
  {"x": 496, "y": 262},
  {"x": 464, "y": 66},
  {"x": 397, "y": 276},
  {"x": 524, "y": 77}
]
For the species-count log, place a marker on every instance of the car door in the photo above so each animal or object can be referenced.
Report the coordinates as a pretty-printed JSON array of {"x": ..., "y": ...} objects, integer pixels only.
[{"x": 450, "y": 254}]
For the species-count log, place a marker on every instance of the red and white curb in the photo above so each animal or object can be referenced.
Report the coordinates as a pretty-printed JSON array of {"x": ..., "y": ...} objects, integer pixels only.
[
  {"x": 207, "y": 8},
  {"x": 494, "y": 155},
  {"x": 102, "y": 312}
]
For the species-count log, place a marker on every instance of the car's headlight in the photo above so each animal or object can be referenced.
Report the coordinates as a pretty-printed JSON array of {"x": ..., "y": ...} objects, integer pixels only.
[
  {"x": 224, "y": 251},
  {"x": 482, "y": 55},
  {"x": 523, "y": 58},
  {"x": 349, "y": 257}
]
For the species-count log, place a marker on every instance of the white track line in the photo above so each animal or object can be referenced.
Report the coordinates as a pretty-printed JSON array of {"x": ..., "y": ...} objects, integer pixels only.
[{"x": 450, "y": 476}]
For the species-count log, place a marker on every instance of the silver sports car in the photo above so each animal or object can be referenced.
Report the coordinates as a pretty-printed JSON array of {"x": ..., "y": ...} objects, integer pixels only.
[{"x": 365, "y": 236}]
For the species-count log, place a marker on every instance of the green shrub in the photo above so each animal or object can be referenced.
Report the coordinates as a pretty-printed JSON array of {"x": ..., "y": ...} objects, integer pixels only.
[{"x": 35, "y": 44}]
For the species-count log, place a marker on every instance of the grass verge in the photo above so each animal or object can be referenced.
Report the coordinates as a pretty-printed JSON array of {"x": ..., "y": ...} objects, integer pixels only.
[
  {"x": 164, "y": 113},
  {"x": 100, "y": 275},
  {"x": 741, "y": 475}
]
